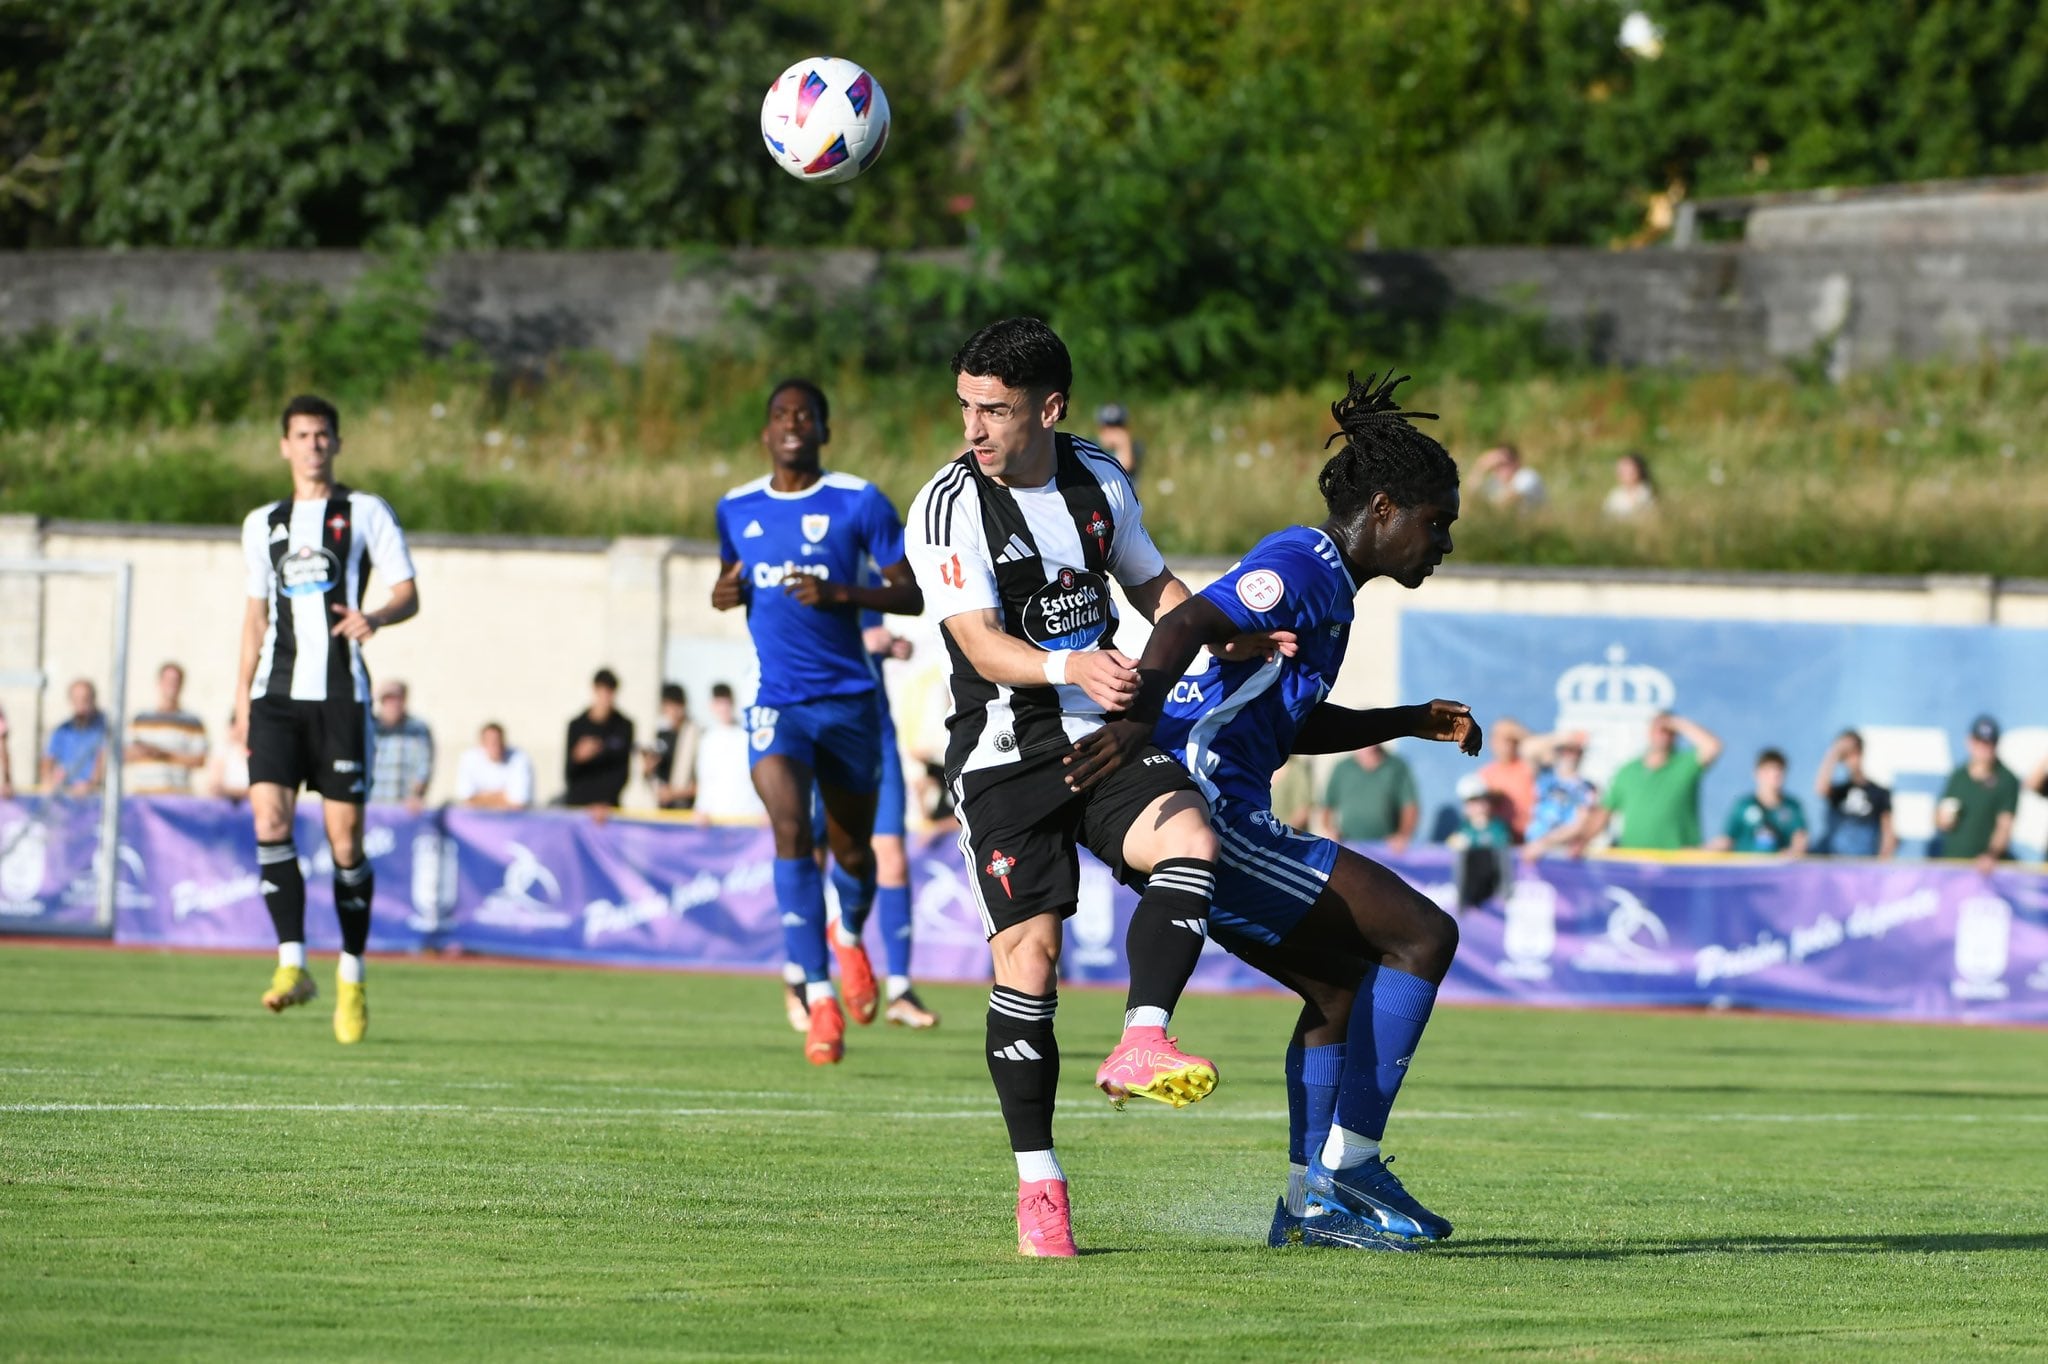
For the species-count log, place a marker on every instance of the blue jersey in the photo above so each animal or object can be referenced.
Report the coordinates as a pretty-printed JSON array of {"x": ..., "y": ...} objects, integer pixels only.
[
  {"x": 830, "y": 530},
  {"x": 1234, "y": 724}
]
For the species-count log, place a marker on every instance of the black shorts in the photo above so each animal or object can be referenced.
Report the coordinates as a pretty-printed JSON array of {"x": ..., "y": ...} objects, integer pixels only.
[
  {"x": 1020, "y": 833},
  {"x": 321, "y": 745}
]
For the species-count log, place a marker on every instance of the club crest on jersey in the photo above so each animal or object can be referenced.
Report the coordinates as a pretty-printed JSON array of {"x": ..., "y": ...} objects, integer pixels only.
[
  {"x": 1098, "y": 526},
  {"x": 307, "y": 570},
  {"x": 815, "y": 525},
  {"x": 1000, "y": 867},
  {"x": 337, "y": 523},
  {"x": 1260, "y": 589},
  {"x": 1070, "y": 612}
]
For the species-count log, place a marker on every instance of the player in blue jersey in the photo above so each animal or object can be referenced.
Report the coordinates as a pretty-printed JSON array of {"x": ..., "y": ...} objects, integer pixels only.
[
  {"x": 792, "y": 546},
  {"x": 1363, "y": 949}
]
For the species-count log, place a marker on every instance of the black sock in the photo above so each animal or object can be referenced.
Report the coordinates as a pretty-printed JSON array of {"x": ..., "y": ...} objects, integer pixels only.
[
  {"x": 1024, "y": 1061},
  {"x": 1167, "y": 932},
  {"x": 353, "y": 887},
  {"x": 284, "y": 889}
]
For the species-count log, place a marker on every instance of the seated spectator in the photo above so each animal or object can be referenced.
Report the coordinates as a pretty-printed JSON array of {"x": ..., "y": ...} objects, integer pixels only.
[
  {"x": 1113, "y": 435},
  {"x": 1977, "y": 805},
  {"x": 725, "y": 783},
  {"x": 1633, "y": 494},
  {"x": 1859, "y": 822},
  {"x": 494, "y": 775},
  {"x": 600, "y": 748},
  {"x": 75, "y": 760},
  {"x": 1565, "y": 800},
  {"x": 1506, "y": 481},
  {"x": 1658, "y": 794},
  {"x": 1511, "y": 776},
  {"x": 166, "y": 745},
  {"x": 402, "y": 761},
  {"x": 1371, "y": 797},
  {"x": 227, "y": 770},
  {"x": 1766, "y": 820},
  {"x": 673, "y": 751}
]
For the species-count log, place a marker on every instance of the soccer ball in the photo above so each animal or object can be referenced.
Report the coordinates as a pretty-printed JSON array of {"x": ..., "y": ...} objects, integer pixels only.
[{"x": 825, "y": 120}]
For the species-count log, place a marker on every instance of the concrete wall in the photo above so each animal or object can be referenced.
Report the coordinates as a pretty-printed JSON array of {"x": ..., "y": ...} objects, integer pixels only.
[
  {"x": 511, "y": 630},
  {"x": 1866, "y": 300}
]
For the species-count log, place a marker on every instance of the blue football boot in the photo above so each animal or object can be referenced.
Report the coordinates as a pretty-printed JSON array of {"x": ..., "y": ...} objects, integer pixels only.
[
  {"x": 1372, "y": 1194},
  {"x": 1325, "y": 1225},
  {"x": 1286, "y": 1229}
]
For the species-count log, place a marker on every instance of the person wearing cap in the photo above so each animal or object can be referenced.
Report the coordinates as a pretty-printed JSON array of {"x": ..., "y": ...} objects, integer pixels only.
[
  {"x": 1565, "y": 799},
  {"x": 402, "y": 761},
  {"x": 1113, "y": 437},
  {"x": 599, "y": 748},
  {"x": 1479, "y": 821},
  {"x": 1658, "y": 795},
  {"x": 1977, "y": 805}
]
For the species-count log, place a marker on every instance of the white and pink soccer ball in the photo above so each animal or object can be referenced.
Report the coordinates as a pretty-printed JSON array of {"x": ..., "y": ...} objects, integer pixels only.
[{"x": 825, "y": 120}]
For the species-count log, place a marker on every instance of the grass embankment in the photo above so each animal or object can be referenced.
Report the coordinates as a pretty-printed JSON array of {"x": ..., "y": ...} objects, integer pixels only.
[
  {"x": 1913, "y": 469},
  {"x": 532, "y": 1163}
]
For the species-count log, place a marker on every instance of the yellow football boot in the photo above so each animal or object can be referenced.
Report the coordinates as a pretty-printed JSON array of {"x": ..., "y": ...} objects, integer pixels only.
[
  {"x": 289, "y": 985},
  {"x": 351, "y": 1013}
]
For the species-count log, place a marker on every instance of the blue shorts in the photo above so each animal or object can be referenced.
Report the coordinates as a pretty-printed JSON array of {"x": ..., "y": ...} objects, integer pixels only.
[
  {"x": 838, "y": 737},
  {"x": 1267, "y": 875},
  {"x": 889, "y": 798}
]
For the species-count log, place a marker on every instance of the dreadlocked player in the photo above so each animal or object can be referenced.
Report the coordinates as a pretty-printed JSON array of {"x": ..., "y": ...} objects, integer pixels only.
[{"x": 1335, "y": 927}]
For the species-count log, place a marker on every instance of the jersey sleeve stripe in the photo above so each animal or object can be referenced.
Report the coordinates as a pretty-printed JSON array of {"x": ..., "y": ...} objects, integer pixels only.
[{"x": 939, "y": 511}]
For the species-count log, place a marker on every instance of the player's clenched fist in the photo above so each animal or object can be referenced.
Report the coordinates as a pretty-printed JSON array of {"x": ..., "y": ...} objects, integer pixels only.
[
  {"x": 1109, "y": 678},
  {"x": 726, "y": 592}
]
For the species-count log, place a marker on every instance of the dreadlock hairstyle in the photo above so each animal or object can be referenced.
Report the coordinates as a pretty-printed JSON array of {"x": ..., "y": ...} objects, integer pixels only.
[{"x": 1383, "y": 452}]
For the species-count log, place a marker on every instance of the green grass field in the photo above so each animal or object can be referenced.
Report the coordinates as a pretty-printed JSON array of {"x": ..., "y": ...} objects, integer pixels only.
[{"x": 532, "y": 1163}]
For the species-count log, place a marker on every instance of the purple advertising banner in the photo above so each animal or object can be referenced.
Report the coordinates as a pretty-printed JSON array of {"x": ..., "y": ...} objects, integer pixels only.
[{"x": 1911, "y": 940}]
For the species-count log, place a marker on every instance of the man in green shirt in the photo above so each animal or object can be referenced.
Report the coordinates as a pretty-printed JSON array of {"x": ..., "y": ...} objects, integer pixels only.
[
  {"x": 1977, "y": 805},
  {"x": 1371, "y": 797},
  {"x": 1658, "y": 795}
]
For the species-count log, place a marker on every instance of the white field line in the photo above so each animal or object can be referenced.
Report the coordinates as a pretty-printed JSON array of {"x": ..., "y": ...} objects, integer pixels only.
[{"x": 981, "y": 1114}]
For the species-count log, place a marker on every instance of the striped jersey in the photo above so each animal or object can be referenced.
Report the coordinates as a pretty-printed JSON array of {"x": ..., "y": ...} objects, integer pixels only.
[
  {"x": 1234, "y": 723},
  {"x": 305, "y": 559},
  {"x": 837, "y": 529},
  {"x": 1041, "y": 559}
]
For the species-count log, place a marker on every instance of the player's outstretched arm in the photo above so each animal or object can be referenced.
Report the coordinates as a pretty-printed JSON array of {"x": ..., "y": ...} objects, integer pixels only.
[
  {"x": 897, "y": 594},
  {"x": 1158, "y": 596},
  {"x": 1340, "y": 729},
  {"x": 1176, "y": 639},
  {"x": 402, "y": 605},
  {"x": 1106, "y": 675}
]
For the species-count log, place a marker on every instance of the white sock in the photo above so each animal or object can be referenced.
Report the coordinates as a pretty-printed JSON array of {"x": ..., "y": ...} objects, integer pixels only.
[
  {"x": 1345, "y": 1149},
  {"x": 899, "y": 986},
  {"x": 792, "y": 974},
  {"x": 349, "y": 971},
  {"x": 819, "y": 989},
  {"x": 1297, "y": 1190},
  {"x": 1033, "y": 1166},
  {"x": 292, "y": 954},
  {"x": 842, "y": 937},
  {"x": 1145, "y": 1016}
]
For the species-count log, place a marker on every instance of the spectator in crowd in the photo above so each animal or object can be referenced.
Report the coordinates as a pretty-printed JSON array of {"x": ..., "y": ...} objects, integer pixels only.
[
  {"x": 673, "y": 751},
  {"x": 168, "y": 744},
  {"x": 1859, "y": 819},
  {"x": 600, "y": 747},
  {"x": 1371, "y": 797},
  {"x": 1113, "y": 434},
  {"x": 1479, "y": 819},
  {"x": 75, "y": 761},
  {"x": 1294, "y": 793},
  {"x": 1511, "y": 776},
  {"x": 1766, "y": 820},
  {"x": 1658, "y": 794},
  {"x": 402, "y": 761},
  {"x": 1506, "y": 481},
  {"x": 1566, "y": 801},
  {"x": 725, "y": 785},
  {"x": 1976, "y": 808},
  {"x": 1633, "y": 494},
  {"x": 227, "y": 770},
  {"x": 6, "y": 762},
  {"x": 494, "y": 775}
]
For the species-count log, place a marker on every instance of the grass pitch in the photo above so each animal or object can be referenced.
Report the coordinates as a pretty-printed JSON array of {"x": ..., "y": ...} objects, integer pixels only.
[{"x": 530, "y": 1163}]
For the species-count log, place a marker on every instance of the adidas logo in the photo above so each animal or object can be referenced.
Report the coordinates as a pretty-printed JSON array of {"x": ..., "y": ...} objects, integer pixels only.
[
  {"x": 1198, "y": 927},
  {"x": 279, "y": 533},
  {"x": 1019, "y": 1050},
  {"x": 271, "y": 888},
  {"x": 792, "y": 920},
  {"x": 1015, "y": 551},
  {"x": 752, "y": 531}
]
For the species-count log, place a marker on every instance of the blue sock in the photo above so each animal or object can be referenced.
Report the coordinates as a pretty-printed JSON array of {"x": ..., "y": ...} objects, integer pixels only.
[
  {"x": 1322, "y": 1069},
  {"x": 856, "y": 898},
  {"x": 1382, "y": 1040},
  {"x": 800, "y": 895},
  {"x": 1297, "y": 1108},
  {"x": 892, "y": 903}
]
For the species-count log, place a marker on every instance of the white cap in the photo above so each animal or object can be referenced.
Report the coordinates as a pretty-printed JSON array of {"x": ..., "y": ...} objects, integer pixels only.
[{"x": 1473, "y": 787}]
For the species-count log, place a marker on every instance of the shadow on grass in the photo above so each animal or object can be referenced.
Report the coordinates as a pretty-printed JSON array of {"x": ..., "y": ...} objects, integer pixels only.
[
  {"x": 112, "y": 1013},
  {"x": 1942, "y": 1243}
]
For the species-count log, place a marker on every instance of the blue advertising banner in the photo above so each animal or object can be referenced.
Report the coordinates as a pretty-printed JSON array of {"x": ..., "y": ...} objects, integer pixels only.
[
  {"x": 49, "y": 866},
  {"x": 1911, "y": 691}
]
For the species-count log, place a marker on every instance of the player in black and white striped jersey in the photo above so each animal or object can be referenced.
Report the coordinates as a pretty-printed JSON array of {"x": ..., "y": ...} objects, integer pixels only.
[
  {"x": 1014, "y": 544},
  {"x": 303, "y": 693}
]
